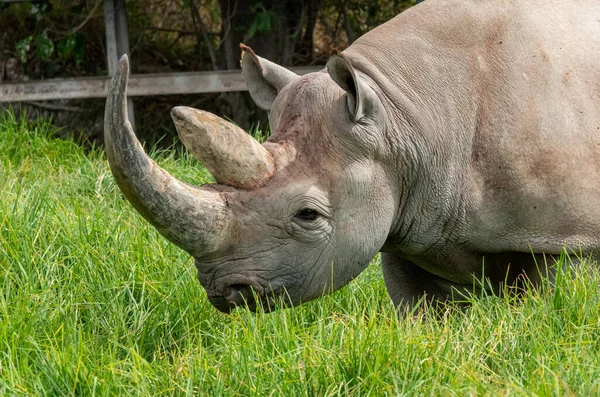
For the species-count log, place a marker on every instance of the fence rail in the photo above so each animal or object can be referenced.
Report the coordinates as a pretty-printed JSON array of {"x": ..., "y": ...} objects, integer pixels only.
[{"x": 139, "y": 85}]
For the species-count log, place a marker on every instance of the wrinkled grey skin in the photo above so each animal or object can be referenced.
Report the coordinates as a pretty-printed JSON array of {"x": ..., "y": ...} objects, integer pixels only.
[{"x": 456, "y": 139}]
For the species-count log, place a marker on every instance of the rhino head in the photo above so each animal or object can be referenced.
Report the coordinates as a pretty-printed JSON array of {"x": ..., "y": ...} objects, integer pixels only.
[{"x": 294, "y": 218}]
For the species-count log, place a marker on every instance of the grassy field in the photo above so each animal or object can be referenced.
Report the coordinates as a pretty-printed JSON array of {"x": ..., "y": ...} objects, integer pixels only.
[{"x": 93, "y": 301}]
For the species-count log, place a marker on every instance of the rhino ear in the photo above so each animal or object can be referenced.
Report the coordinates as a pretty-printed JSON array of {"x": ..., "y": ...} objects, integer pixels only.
[
  {"x": 360, "y": 97},
  {"x": 264, "y": 79}
]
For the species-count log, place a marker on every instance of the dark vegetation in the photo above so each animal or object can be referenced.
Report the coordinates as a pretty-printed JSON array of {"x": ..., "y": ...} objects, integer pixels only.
[{"x": 66, "y": 38}]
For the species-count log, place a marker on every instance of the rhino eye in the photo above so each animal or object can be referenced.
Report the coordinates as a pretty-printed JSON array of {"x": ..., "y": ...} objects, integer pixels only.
[{"x": 307, "y": 214}]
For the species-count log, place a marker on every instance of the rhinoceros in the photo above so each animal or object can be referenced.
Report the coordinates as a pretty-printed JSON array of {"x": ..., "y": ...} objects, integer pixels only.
[{"x": 460, "y": 139}]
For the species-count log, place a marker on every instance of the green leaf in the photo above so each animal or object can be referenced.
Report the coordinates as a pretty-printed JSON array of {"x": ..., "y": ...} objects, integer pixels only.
[
  {"x": 251, "y": 31},
  {"x": 40, "y": 10},
  {"x": 43, "y": 46},
  {"x": 65, "y": 46},
  {"x": 22, "y": 48},
  {"x": 264, "y": 20}
]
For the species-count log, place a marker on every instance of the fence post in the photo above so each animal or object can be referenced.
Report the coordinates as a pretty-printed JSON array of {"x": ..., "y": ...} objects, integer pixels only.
[{"x": 117, "y": 40}]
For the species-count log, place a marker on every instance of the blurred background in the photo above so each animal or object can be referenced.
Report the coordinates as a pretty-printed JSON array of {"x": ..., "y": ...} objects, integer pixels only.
[{"x": 67, "y": 39}]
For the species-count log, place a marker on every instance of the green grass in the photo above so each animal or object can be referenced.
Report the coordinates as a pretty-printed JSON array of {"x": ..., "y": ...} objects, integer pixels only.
[{"x": 93, "y": 301}]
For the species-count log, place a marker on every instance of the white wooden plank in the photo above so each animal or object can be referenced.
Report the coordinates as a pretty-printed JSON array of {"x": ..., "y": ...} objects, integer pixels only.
[{"x": 139, "y": 85}]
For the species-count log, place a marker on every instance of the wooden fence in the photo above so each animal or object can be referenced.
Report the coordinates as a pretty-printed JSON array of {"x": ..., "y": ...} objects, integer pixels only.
[
  {"x": 139, "y": 85},
  {"x": 117, "y": 44}
]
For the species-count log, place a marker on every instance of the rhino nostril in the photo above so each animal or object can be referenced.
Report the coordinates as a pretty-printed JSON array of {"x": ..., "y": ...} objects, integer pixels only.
[{"x": 239, "y": 294}]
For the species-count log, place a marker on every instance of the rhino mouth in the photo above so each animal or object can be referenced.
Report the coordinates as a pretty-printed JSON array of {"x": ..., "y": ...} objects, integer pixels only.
[{"x": 256, "y": 300}]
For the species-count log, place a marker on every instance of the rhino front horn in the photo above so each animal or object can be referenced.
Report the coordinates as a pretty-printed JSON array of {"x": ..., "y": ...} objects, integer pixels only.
[
  {"x": 231, "y": 155},
  {"x": 195, "y": 219}
]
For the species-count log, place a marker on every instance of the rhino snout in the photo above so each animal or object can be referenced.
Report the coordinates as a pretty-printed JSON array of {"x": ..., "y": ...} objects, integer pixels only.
[
  {"x": 227, "y": 290},
  {"x": 253, "y": 297},
  {"x": 240, "y": 295}
]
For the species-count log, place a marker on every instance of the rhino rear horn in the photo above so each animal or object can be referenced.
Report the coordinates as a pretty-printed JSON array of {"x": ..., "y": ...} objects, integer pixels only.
[
  {"x": 195, "y": 219},
  {"x": 231, "y": 155}
]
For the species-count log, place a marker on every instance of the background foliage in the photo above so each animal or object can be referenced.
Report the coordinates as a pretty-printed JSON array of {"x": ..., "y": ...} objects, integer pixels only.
[{"x": 66, "y": 38}]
